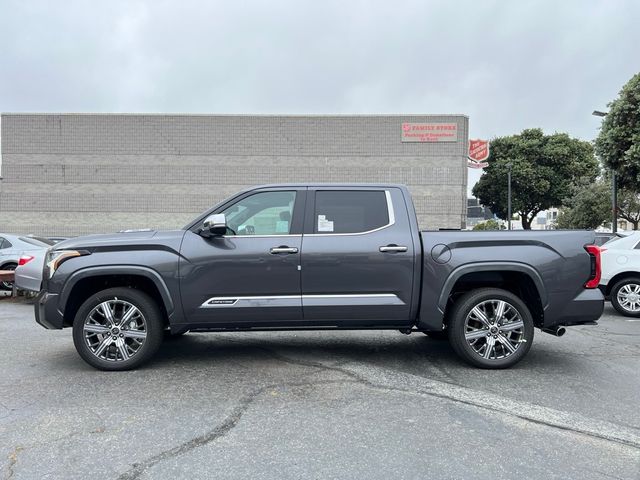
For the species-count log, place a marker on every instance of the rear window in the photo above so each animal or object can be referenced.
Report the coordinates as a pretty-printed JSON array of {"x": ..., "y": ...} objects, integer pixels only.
[
  {"x": 35, "y": 242},
  {"x": 350, "y": 211}
]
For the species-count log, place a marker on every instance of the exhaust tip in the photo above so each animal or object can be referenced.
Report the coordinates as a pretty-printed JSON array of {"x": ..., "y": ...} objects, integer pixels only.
[{"x": 556, "y": 332}]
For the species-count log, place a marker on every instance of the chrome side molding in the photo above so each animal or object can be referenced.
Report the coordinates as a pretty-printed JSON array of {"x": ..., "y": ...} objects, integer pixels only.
[{"x": 355, "y": 299}]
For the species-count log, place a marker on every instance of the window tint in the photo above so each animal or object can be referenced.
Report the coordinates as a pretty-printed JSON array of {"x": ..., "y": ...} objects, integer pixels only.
[
  {"x": 265, "y": 213},
  {"x": 4, "y": 243},
  {"x": 350, "y": 211}
]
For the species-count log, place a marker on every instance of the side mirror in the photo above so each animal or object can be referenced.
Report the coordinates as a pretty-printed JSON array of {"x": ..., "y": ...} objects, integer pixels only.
[{"x": 215, "y": 224}]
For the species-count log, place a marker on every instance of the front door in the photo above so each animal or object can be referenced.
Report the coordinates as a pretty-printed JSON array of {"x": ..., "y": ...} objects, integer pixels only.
[
  {"x": 357, "y": 257},
  {"x": 250, "y": 274}
]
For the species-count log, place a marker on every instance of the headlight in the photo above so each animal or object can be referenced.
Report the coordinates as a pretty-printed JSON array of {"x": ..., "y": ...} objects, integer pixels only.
[{"x": 56, "y": 257}]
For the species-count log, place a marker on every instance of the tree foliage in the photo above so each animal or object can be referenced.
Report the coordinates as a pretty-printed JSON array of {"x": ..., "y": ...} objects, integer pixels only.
[
  {"x": 629, "y": 207},
  {"x": 618, "y": 143},
  {"x": 544, "y": 170},
  {"x": 588, "y": 207},
  {"x": 490, "y": 224}
]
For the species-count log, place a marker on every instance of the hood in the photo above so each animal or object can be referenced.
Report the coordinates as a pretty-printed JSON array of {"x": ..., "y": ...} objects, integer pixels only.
[{"x": 121, "y": 239}]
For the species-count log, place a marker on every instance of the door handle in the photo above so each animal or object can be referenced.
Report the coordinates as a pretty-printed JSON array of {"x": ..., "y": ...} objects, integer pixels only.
[
  {"x": 283, "y": 249},
  {"x": 393, "y": 249}
]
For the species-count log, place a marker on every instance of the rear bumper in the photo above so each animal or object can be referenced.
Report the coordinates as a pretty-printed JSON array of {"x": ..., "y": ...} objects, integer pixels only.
[
  {"x": 586, "y": 307},
  {"x": 603, "y": 289},
  {"x": 46, "y": 310}
]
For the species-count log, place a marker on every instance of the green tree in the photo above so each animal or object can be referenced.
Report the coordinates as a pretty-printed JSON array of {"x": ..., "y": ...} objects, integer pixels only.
[
  {"x": 618, "y": 143},
  {"x": 490, "y": 224},
  {"x": 588, "y": 207},
  {"x": 544, "y": 170},
  {"x": 629, "y": 207}
]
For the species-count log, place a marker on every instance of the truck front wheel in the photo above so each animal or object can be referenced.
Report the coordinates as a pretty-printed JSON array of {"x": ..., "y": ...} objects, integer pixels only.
[
  {"x": 490, "y": 328},
  {"x": 118, "y": 329}
]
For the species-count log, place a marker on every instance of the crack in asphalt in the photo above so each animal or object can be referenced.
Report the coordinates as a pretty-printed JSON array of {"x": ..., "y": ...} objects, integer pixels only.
[
  {"x": 540, "y": 415},
  {"x": 458, "y": 394},
  {"x": 13, "y": 459},
  {"x": 219, "y": 431},
  {"x": 13, "y": 455}
]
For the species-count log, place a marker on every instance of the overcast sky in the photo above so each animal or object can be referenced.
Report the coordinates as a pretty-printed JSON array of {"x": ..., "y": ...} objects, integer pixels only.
[{"x": 508, "y": 65}]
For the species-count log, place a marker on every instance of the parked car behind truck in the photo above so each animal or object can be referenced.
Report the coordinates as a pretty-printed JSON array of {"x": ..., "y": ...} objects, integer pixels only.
[
  {"x": 287, "y": 257},
  {"x": 620, "y": 280},
  {"x": 12, "y": 248}
]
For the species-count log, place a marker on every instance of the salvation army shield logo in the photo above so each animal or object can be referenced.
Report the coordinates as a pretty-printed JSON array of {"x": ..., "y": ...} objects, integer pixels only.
[{"x": 478, "y": 153}]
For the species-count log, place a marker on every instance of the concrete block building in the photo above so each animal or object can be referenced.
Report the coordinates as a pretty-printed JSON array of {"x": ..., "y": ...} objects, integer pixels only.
[{"x": 72, "y": 174}]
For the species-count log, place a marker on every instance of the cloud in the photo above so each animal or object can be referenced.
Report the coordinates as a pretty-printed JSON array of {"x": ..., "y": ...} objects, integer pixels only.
[{"x": 508, "y": 65}]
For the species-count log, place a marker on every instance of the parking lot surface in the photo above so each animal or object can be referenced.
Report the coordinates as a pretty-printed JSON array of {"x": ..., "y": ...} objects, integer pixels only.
[{"x": 372, "y": 404}]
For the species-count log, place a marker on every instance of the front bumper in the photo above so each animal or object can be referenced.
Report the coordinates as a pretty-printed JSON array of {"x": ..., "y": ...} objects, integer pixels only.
[
  {"x": 586, "y": 307},
  {"x": 46, "y": 310}
]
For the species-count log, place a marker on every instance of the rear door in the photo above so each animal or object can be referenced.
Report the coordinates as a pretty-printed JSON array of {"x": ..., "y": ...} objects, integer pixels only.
[{"x": 357, "y": 257}]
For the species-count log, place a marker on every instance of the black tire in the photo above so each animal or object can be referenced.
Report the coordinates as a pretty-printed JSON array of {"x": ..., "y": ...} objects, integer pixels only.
[
  {"x": 8, "y": 286},
  {"x": 152, "y": 318},
  {"x": 615, "y": 301},
  {"x": 522, "y": 337},
  {"x": 438, "y": 335}
]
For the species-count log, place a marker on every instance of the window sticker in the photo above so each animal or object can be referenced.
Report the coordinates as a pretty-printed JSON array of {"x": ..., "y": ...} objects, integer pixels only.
[
  {"x": 282, "y": 226},
  {"x": 324, "y": 225}
]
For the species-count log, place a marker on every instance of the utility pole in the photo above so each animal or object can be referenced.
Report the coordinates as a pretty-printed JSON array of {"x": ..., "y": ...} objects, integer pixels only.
[
  {"x": 509, "y": 194},
  {"x": 614, "y": 186},
  {"x": 614, "y": 203}
]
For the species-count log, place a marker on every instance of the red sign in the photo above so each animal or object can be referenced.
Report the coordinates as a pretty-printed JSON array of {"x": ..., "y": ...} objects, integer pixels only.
[
  {"x": 429, "y": 132},
  {"x": 478, "y": 153},
  {"x": 478, "y": 150}
]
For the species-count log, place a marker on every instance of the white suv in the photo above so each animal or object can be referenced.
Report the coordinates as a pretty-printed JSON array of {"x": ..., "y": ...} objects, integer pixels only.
[{"x": 620, "y": 281}]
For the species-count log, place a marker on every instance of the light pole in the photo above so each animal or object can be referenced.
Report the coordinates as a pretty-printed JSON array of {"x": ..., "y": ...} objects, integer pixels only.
[
  {"x": 614, "y": 186},
  {"x": 509, "y": 194}
]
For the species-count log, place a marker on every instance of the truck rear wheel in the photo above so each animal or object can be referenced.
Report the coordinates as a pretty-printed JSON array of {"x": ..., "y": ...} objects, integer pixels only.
[
  {"x": 490, "y": 328},
  {"x": 118, "y": 329}
]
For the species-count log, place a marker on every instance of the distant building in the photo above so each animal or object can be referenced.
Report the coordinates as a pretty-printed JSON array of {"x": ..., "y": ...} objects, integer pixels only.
[
  {"x": 71, "y": 174},
  {"x": 546, "y": 220},
  {"x": 476, "y": 213}
]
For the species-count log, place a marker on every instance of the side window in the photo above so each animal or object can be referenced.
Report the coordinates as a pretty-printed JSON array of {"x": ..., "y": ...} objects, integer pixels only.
[
  {"x": 1, "y": 243},
  {"x": 4, "y": 243},
  {"x": 350, "y": 211},
  {"x": 264, "y": 213}
]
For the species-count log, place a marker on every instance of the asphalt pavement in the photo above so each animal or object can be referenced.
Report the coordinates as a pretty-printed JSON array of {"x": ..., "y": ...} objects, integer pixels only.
[{"x": 343, "y": 405}]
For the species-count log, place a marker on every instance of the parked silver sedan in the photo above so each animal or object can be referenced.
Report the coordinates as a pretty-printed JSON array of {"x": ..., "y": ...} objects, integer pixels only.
[{"x": 12, "y": 247}]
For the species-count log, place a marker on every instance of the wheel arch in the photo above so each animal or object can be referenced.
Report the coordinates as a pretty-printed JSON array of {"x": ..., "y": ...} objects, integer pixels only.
[
  {"x": 517, "y": 278},
  {"x": 86, "y": 282},
  {"x": 620, "y": 276}
]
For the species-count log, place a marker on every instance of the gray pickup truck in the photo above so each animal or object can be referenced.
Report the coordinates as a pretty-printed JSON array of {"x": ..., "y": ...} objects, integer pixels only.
[{"x": 292, "y": 257}]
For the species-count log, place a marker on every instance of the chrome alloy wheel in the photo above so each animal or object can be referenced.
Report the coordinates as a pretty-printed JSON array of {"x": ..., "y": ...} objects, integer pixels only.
[
  {"x": 494, "y": 329},
  {"x": 629, "y": 297},
  {"x": 115, "y": 330}
]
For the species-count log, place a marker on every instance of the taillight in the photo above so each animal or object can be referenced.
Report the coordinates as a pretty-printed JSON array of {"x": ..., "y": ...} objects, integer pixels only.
[
  {"x": 596, "y": 267},
  {"x": 24, "y": 259}
]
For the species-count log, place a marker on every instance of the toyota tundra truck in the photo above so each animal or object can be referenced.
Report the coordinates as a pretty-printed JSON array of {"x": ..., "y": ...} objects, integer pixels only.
[{"x": 319, "y": 257}]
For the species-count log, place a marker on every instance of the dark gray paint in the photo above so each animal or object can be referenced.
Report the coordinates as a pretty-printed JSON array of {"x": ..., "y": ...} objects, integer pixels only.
[{"x": 340, "y": 275}]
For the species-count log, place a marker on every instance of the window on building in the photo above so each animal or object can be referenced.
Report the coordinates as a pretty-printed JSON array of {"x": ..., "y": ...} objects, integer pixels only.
[
  {"x": 350, "y": 211},
  {"x": 264, "y": 213}
]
